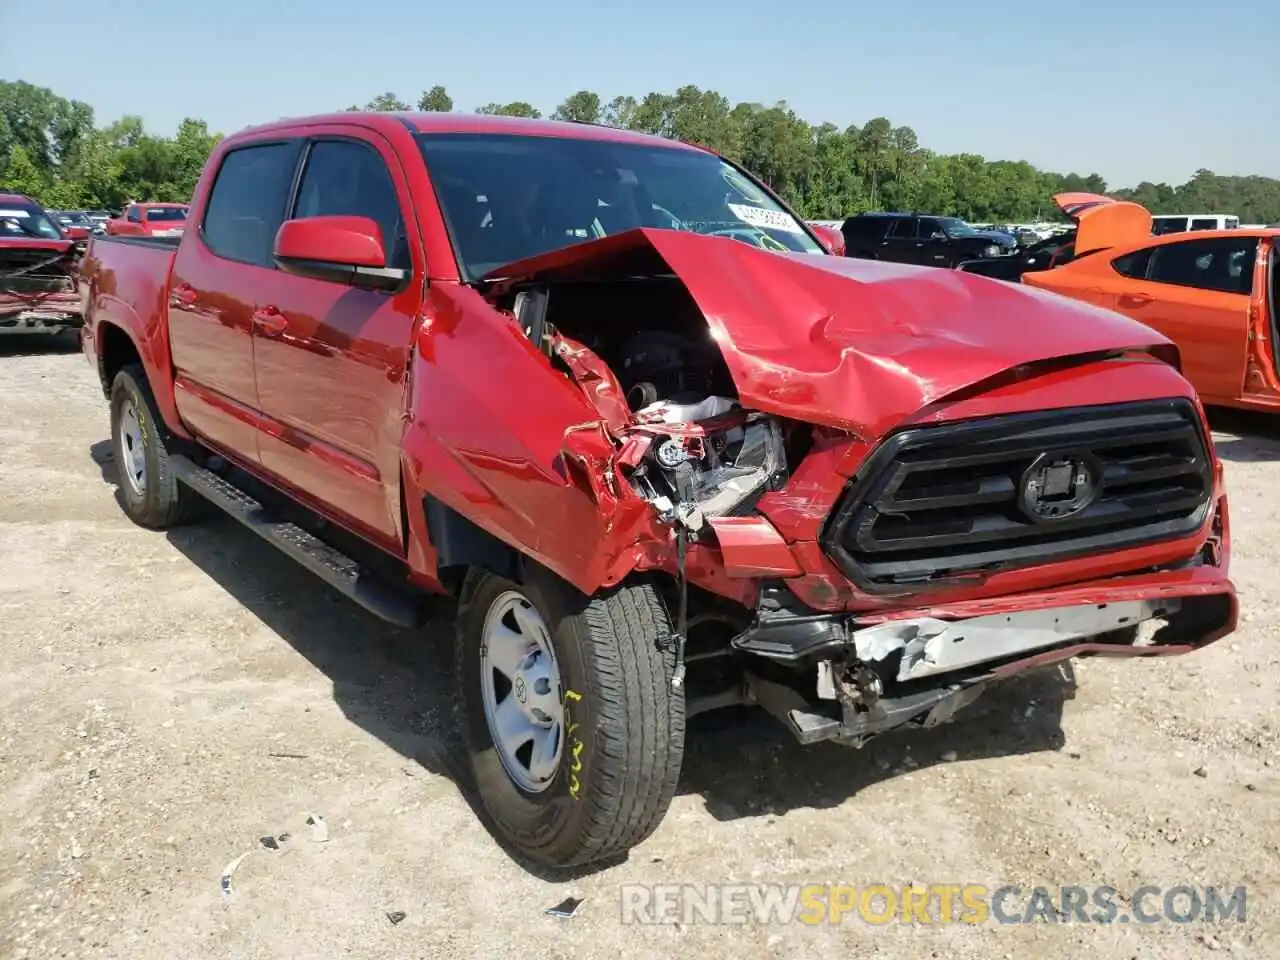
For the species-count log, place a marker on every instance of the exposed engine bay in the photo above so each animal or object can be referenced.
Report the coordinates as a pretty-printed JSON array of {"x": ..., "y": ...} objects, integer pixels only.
[{"x": 689, "y": 448}]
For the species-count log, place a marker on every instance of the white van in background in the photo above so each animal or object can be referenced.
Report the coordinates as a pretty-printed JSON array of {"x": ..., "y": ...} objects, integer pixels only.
[{"x": 1178, "y": 223}]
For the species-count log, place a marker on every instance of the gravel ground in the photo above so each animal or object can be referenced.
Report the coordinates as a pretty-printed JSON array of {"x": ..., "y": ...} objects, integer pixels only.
[{"x": 168, "y": 700}]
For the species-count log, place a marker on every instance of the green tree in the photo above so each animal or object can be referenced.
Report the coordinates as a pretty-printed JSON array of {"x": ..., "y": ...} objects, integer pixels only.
[
  {"x": 518, "y": 108},
  {"x": 620, "y": 112},
  {"x": 382, "y": 103},
  {"x": 435, "y": 100},
  {"x": 583, "y": 106},
  {"x": 23, "y": 175}
]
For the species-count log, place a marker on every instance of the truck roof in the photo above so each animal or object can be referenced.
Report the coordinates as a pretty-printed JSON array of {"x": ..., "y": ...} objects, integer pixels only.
[{"x": 471, "y": 123}]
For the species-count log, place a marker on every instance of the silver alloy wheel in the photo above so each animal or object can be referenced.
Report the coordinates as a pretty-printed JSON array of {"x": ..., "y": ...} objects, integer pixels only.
[
  {"x": 130, "y": 453},
  {"x": 520, "y": 683}
]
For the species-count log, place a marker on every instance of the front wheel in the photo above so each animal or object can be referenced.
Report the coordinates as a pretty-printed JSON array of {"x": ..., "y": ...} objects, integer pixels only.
[{"x": 573, "y": 733}]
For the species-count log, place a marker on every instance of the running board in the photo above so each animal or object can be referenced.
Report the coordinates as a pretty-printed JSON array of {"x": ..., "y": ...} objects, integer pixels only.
[{"x": 398, "y": 605}]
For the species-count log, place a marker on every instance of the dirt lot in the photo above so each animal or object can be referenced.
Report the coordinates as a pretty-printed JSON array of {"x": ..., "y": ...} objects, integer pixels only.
[{"x": 166, "y": 701}]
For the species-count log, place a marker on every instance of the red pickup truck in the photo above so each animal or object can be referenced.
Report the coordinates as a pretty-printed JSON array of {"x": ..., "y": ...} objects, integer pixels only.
[
  {"x": 665, "y": 450},
  {"x": 149, "y": 220}
]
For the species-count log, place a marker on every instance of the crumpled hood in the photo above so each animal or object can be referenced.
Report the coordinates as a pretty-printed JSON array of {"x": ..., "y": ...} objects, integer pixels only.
[{"x": 856, "y": 344}]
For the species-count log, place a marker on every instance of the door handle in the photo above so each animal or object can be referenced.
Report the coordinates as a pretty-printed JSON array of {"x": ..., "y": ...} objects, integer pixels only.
[
  {"x": 270, "y": 320},
  {"x": 183, "y": 295},
  {"x": 1135, "y": 299}
]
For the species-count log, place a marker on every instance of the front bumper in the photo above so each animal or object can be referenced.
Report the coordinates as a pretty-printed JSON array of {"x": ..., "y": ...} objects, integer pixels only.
[
  {"x": 920, "y": 669},
  {"x": 44, "y": 319}
]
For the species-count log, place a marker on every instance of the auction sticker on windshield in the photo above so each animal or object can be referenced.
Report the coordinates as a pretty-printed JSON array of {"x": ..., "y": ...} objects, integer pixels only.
[
  {"x": 765, "y": 219},
  {"x": 21, "y": 214}
]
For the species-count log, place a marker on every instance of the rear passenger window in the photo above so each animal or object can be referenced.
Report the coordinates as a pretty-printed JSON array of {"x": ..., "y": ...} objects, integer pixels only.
[
  {"x": 346, "y": 178},
  {"x": 904, "y": 229},
  {"x": 1222, "y": 265},
  {"x": 1133, "y": 264},
  {"x": 246, "y": 204}
]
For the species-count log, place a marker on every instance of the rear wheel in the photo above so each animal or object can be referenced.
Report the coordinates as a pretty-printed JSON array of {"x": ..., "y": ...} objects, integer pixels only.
[
  {"x": 149, "y": 492},
  {"x": 573, "y": 733}
]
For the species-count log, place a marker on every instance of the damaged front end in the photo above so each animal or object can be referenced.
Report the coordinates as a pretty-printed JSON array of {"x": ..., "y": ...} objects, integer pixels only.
[
  {"x": 763, "y": 438},
  {"x": 38, "y": 286}
]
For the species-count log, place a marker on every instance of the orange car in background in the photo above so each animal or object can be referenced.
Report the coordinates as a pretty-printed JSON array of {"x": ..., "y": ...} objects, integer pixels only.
[
  {"x": 1214, "y": 293},
  {"x": 149, "y": 220}
]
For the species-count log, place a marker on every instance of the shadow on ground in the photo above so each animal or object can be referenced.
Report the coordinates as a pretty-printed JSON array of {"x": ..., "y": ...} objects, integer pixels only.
[
  {"x": 39, "y": 344},
  {"x": 398, "y": 686},
  {"x": 1244, "y": 436}
]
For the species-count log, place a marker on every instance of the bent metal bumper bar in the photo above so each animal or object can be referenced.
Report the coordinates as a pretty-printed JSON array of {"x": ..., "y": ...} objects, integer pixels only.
[
  {"x": 921, "y": 670},
  {"x": 927, "y": 647}
]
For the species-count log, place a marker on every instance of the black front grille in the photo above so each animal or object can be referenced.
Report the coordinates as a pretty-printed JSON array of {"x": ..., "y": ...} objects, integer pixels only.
[{"x": 938, "y": 505}]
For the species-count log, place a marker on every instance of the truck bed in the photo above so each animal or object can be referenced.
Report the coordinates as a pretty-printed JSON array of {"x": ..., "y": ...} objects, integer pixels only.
[
  {"x": 127, "y": 276},
  {"x": 170, "y": 243}
]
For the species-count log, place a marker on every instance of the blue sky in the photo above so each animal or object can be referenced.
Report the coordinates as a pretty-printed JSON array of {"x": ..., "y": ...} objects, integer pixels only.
[{"x": 1128, "y": 90}]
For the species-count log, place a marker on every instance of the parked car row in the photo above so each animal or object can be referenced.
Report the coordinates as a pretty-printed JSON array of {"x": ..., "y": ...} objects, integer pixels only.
[
  {"x": 136, "y": 219},
  {"x": 665, "y": 450}
]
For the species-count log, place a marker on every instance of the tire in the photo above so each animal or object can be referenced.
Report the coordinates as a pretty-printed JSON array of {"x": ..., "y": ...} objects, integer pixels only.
[
  {"x": 623, "y": 726},
  {"x": 151, "y": 496}
]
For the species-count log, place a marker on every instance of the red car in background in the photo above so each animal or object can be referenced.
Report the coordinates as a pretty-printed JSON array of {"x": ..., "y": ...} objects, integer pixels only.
[
  {"x": 39, "y": 259},
  {"x": 149, "y": 220}
]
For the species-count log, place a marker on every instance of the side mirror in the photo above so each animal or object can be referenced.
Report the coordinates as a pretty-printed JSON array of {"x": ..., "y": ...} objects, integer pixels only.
[
  {"x": 831, "y": 238},
  {"x": 938, "y": 235},
  {"x": 338, "y": 249},
  {"x": 77, "y": 233}
]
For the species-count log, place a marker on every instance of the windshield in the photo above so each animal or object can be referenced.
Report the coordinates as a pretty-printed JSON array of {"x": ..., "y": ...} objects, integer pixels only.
[
  {"x": 957, "y": 228},
  {"x": 509, "y": 197},
  {"x": 27, "y": 222},
  {"x": 72, "y": 218},
  {"x": 166, "y": 214}
]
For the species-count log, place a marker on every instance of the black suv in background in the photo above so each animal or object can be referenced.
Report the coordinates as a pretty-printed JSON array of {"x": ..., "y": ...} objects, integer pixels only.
[{"x": 913, "y": 238}]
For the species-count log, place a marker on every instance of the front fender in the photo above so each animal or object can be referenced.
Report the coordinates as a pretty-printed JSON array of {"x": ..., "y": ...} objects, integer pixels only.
[{"x": 495, "y": 433}]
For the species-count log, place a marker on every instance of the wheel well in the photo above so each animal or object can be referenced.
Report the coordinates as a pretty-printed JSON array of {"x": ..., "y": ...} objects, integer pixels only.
[
  {"x": 115, "y": 351},
  {"x": 460, "y": 544}
]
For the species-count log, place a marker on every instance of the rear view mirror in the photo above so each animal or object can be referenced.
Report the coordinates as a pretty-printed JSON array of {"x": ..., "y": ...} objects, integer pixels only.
[{"x": 338, "y": 249}]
